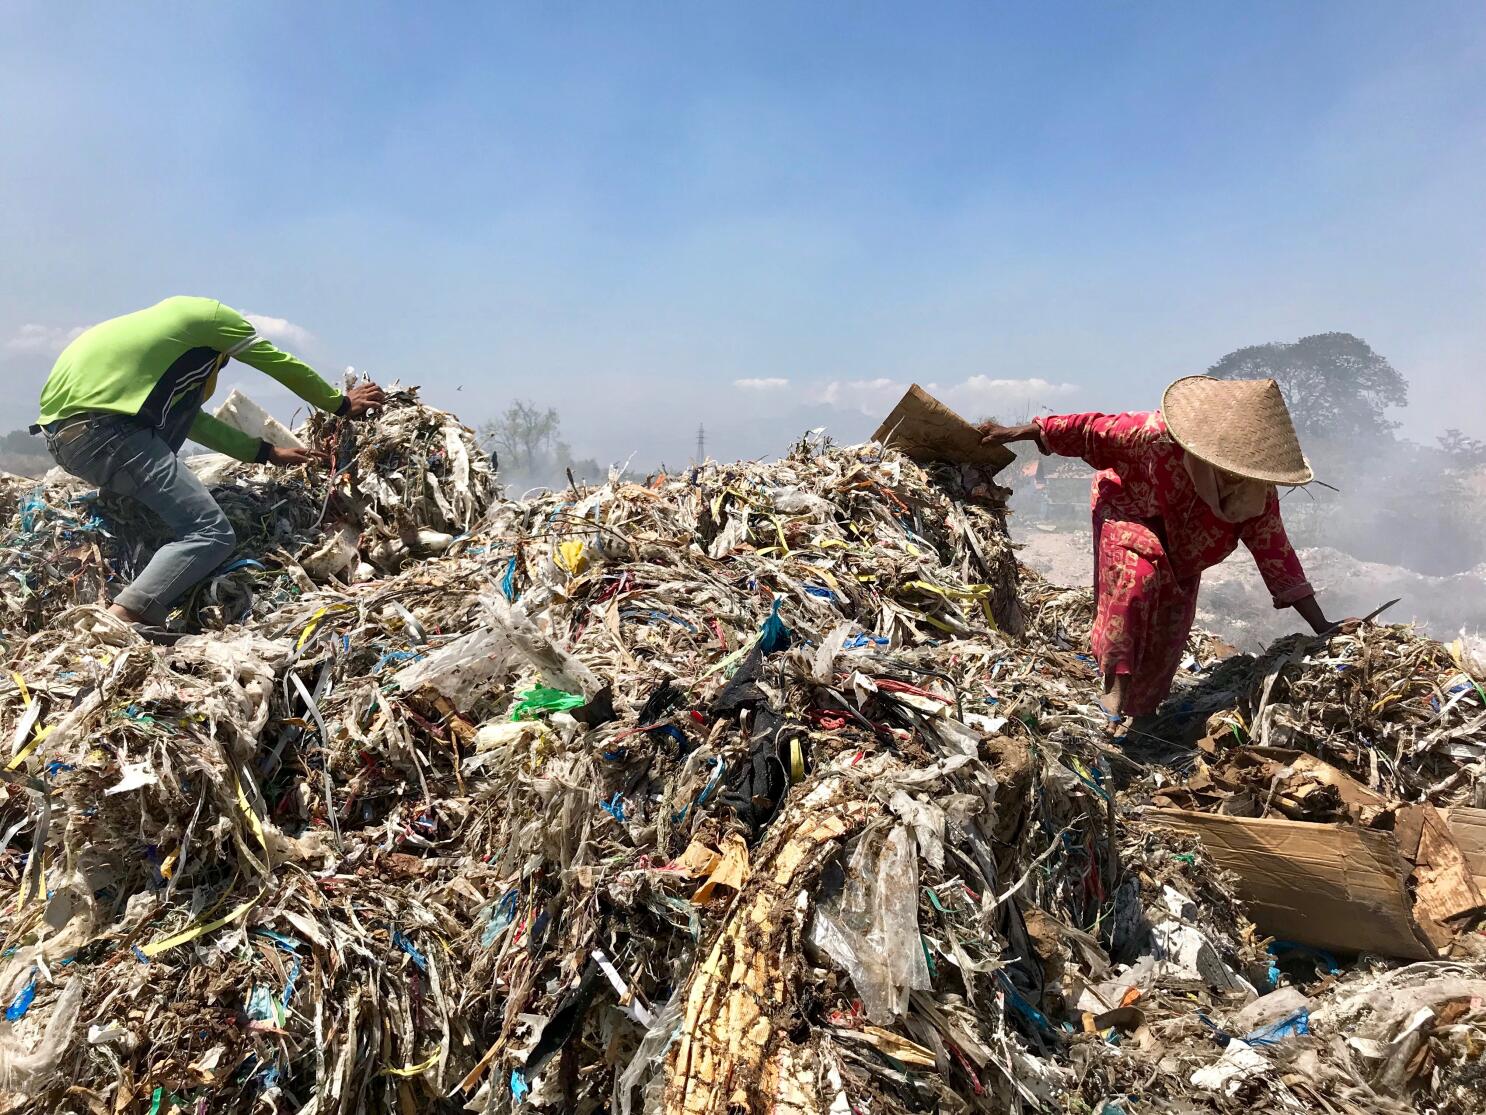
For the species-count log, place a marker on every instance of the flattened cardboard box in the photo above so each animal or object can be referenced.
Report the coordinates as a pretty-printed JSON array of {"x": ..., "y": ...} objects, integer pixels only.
[
  {"x": 1444, "y": 891},
  {"x": 1335, "y": 887},
  {"x": 924, "y": 429},
  {"x": 1468, "y": 827}
]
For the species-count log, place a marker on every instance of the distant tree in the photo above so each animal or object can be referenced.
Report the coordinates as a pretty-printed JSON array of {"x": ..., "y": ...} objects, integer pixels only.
[
  {"x": 584, "y": 469},
  {"x": 1462, "y": 449},
  {"x": 524, "y": 436},
  {"x": 1409, "y": 507},
  {"x": 527, "y": 441},
  {"x": 1337, "y": 388}
]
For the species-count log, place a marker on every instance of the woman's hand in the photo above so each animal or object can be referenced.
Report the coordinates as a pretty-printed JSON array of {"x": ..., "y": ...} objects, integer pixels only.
[
  {"x": 992, "y": 434},
  {"x": 1310, "y": 611},
  {"x": 292, "y": 458}
]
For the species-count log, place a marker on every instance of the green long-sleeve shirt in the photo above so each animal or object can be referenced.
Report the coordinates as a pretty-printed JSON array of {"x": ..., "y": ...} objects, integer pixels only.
[{"x": 155, "y": 360}]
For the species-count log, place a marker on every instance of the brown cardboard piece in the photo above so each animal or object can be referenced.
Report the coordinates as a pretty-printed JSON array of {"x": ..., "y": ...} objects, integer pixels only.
[
  {"x": 730, "y": 870},
  {"x": 1468, "y": 827},
  {"x": 1272, "y": 781},
  {"x": 1360, "y": 801},
  {"x": 923, "y": 428},
  {"x": 1443, "y": 888},
  {"x": 1335, "y": 887}
]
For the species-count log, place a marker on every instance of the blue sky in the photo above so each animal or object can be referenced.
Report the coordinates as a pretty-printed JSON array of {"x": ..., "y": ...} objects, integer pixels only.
[{"x": 629, "y": 210}]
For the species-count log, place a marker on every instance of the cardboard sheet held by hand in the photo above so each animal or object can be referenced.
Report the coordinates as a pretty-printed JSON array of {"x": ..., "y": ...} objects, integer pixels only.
[{"x": 924, "y": 429}]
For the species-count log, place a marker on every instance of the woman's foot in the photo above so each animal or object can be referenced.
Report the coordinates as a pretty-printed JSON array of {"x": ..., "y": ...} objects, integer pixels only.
[{"x": 1113, "y": 704}]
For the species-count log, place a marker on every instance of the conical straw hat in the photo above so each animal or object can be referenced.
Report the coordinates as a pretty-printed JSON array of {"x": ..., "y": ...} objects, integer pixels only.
[{"x": 1238, "y": 425}]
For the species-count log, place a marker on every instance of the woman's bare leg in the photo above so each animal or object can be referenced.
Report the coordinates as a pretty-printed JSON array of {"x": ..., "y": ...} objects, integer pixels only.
[{"x": 1113, "y": 701}]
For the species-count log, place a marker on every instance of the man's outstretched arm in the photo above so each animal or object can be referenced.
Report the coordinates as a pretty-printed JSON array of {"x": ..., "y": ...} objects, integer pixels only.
[
  {"x": 212, "y": 432},
  {"x": 235, "y": 336}
]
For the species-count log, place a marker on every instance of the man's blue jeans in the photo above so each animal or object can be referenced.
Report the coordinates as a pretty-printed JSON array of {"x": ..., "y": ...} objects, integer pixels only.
[{"x": 126, "y": 458}]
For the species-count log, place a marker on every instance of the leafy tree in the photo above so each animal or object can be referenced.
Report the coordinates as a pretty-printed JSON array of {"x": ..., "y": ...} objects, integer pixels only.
[
  {"x": 528, "y": 445},
  {"x": 1462, "y": 449},
  {"x": 1337, "y": 388},
  {"x": 1409, "y": 507},
  {"x": 524, "y": 437}
]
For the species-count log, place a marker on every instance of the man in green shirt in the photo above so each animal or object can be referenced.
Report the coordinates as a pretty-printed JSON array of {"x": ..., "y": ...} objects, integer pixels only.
[{"x": 123, "y": 398}]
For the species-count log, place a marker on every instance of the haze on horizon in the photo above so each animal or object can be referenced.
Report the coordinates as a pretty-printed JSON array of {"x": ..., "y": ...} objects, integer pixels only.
[{"x": 761, "y": 217}]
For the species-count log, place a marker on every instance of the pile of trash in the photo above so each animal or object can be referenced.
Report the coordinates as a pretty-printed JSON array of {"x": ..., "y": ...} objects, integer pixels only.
[
  {"x": 12, "y": 490},
  {"x": 1400, "y": 713},
  {"x": 1347, "y": 767},
  {"x": 401, "y": 488},
  {"x": 760, "y": 787}
]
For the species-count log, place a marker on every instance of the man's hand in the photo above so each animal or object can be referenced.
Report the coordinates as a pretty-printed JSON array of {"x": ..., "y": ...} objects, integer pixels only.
[
  {"x": 992, "y": 434},
  {"x": 364, "y": 397},
  {"x": 291, "y": 458}
]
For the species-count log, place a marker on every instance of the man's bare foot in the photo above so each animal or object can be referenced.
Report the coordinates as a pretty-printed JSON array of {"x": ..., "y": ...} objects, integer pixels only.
[{"x": 123, "y": 613}]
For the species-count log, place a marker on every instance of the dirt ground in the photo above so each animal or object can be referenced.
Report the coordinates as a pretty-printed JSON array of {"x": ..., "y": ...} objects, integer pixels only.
[{"x": 1235, "y": 605}]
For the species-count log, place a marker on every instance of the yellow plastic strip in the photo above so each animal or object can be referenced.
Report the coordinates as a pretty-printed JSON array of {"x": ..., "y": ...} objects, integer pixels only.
[
  {"x": 20, "y": 757},
  {"x": 779, "y": 529},
  {"x": 924, "y": 617},
  {"x": 969, "y": 592},
  {"x": 413, "y": 1070},
  {"x": 188, "y": 935},
  {"x": 796, "y": 761},
  {"x": 247, "y": 809},
  {"x": 309, "y": 628},
  {"x": 40, "y": 734},
  {"x": 24, "y": 753}
]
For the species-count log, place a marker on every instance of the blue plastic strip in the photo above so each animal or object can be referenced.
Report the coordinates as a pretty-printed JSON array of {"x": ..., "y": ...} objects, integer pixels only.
[
  {"x": 399, "y": 941},
  {"x": 22, "y": 1002}
]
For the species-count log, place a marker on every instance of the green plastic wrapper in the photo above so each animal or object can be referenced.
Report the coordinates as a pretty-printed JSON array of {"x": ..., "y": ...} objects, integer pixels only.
[{"x": 533, "y": 702}]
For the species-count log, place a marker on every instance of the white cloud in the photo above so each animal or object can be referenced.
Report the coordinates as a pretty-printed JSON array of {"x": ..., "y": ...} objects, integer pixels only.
[
  {"x": 973, "y": 398},
  {"x": 33, "y": 339},
  {"x": 981, "y": 396},
  {"x": 281, "y": 331},
  {"x": 865, "y": 395},
  {"x": 769, "y": 383},
  {"x": 42, "y": 340}
]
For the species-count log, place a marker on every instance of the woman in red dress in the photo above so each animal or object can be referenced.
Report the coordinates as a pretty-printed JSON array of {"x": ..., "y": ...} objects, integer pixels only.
[{"x": 1177, "y": 490}]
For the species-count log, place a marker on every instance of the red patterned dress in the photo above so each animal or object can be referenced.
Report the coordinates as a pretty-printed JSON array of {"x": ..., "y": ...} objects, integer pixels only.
[{"x": 1153, "y": 537}]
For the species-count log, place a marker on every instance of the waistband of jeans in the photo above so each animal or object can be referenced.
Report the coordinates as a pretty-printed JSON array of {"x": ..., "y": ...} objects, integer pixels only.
[{"x": 73, "y": 426}]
